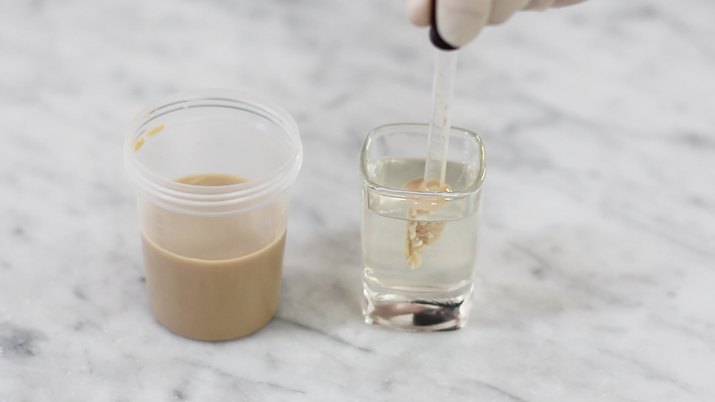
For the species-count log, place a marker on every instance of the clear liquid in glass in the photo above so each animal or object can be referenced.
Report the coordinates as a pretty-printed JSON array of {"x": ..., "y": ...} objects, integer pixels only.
[{"x": 435, "y": 295}]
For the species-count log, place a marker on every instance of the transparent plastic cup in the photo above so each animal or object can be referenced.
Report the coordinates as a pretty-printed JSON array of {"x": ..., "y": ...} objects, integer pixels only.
[
  {"x": 212, "y": 172},
  {"x": 419, "y": 242}
]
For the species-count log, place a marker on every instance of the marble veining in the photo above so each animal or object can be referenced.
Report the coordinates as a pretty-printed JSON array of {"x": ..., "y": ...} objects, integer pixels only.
[{"x": 597, "y": 240}]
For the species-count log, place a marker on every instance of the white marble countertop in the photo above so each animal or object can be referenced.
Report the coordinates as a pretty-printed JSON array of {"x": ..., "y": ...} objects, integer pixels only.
[{"x": 597, "y": 251}]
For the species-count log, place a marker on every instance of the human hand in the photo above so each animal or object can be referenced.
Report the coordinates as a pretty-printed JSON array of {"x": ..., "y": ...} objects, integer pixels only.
[{"x": 459, "y": 21}]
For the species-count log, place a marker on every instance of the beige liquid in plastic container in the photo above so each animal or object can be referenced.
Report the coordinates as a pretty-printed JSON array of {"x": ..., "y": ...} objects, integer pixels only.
[
  {"x": 213, "y": 299},
  {"x": 212, "y": 172}
]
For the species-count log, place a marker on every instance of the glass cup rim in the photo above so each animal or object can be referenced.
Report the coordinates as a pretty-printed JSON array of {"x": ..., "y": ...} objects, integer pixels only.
[{"x": 401, "y": 193}]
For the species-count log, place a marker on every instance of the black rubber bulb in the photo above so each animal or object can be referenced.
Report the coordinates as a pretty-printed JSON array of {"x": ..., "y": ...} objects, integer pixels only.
[{"x": 434, "y": 34}]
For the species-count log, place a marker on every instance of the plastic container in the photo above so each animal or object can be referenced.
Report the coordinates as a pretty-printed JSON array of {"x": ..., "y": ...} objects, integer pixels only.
[{"x": 212, "y": 172}]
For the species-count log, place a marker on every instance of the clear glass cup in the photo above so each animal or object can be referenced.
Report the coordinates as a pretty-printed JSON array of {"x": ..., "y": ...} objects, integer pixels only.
[
  {"x": 419, "y": 245},
  {"x": 212, "y": 172}
]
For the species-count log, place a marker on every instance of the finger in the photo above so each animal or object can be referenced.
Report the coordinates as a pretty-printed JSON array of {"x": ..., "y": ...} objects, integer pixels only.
[
  {"x": 459, "y": 21},
  {"x": 419, "y": 12},
  {"x": 564, "y": 3},
  {"x": 539, "y": 5},
  {"x": 502, "y": 10}
]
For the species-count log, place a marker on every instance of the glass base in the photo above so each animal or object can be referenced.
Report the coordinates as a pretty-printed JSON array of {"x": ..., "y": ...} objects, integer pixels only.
[{"x": 417, "y": 312}]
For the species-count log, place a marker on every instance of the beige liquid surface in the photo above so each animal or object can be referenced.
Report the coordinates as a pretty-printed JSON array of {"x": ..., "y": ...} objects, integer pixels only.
[{"x": 213, "y": 299}]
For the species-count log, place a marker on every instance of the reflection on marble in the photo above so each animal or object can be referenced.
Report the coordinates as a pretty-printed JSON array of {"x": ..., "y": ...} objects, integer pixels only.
[{"x": 597, "y": 242}]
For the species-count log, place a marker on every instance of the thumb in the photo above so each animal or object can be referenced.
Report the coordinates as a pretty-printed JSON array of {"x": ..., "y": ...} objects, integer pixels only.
[{"x": 460, "y": 21}]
